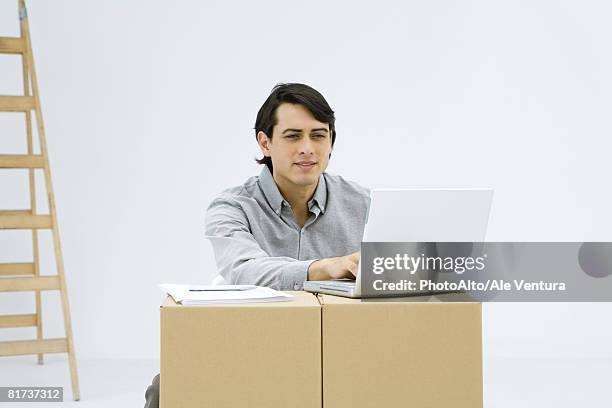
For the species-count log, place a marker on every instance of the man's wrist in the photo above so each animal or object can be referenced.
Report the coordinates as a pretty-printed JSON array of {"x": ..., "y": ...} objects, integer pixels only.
[{"x": 316, "y": 271}]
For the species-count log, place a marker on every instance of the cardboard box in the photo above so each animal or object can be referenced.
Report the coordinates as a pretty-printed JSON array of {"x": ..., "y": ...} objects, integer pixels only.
[
  {"x": 410, "y": 352},
  {"x": 241, "y": 355}
]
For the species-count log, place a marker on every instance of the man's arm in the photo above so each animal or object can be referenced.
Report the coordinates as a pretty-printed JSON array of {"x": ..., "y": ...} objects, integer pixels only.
[{"x": 243, "y": 261}]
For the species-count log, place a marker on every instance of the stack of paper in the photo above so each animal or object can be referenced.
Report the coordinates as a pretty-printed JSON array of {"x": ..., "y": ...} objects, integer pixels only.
[{"x": 209, "y": 294}]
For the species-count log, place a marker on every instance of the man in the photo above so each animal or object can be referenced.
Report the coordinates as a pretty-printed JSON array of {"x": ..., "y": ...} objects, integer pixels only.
[{"x": 293, "y": 222}]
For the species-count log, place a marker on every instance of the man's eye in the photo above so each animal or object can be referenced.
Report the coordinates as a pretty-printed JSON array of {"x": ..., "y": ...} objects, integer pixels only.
[
  {"x": 292, "y": 136},
  {"x": 319, "y": 136}
]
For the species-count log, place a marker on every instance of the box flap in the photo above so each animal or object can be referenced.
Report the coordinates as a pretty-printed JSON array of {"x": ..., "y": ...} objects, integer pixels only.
[{"x": 325, "y": 299}]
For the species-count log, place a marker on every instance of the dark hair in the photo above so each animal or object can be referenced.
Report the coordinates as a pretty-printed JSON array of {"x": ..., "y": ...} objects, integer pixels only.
[{"x": 300, "y": 94}]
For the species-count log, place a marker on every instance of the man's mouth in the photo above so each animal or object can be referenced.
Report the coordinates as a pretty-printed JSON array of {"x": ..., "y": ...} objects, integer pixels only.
[{"x": 306, "y": 164}]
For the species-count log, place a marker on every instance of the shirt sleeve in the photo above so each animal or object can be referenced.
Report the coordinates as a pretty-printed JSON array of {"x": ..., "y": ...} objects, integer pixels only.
[{"x": 240, "y": 259}]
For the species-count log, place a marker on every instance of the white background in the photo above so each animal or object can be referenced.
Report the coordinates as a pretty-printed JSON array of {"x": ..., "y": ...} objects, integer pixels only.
[{"x": 149, "y": 108}]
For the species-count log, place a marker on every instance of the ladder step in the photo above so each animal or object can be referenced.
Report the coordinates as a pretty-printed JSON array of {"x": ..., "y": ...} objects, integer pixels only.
[
  {"x": 25, "y": 320},
  {"x": 24, "y": 347},
  {"x": 25, "y": 221},
  {"x": 16, "y": 269},
  {"x": 29, "y": 284},
  {"x": 17, "y": 103},
  {"x": 16, "y": 212},
  {"x": 12, "y": 45},
  {"x": 21, "y": 161}
]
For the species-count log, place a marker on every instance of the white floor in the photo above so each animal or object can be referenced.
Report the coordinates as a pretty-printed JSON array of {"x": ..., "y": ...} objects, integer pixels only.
[
  {"x": 507, "y": 383},
  {"x": 547, "y": 383},
  {"x": 103, "y": 383}
]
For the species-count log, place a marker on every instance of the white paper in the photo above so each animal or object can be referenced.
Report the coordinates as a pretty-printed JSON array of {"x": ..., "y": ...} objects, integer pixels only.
[{"x": 209, "y": 294}]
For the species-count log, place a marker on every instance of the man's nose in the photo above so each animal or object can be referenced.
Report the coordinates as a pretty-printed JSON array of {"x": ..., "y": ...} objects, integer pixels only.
[{"x": 306, "y": 146}]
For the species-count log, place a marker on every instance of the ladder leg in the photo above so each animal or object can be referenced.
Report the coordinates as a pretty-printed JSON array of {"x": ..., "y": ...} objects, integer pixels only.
[
  {"x": 39, "y": 330},
  {"x": 65, "y": 305},
  {"x": 32, "y": 179},
  {"x": 52, "y": 210}
]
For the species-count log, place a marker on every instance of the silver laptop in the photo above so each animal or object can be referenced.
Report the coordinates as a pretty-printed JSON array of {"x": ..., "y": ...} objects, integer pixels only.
[{"x": 417, "y": 215}]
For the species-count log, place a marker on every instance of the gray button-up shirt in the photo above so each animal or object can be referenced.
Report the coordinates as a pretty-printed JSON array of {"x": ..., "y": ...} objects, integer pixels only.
[{"x": 264, "y": 245}]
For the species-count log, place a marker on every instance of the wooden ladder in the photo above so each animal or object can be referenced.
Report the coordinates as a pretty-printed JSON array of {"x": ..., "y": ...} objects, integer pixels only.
[{"x": 18, "y": 277}]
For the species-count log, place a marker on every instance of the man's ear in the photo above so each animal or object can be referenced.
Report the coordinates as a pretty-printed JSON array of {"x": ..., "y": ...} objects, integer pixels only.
[{"x": 264, "y": 143}]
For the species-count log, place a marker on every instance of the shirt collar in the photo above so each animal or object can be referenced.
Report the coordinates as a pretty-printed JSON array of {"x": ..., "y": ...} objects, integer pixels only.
[
  {"x": 275, "y": 198},
  {"x": 270, "y": 190},
  {"x": 320, "y": 196}
]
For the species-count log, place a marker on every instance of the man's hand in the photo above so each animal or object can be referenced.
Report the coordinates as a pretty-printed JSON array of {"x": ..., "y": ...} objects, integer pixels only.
[{"x": 334, "y": 268}]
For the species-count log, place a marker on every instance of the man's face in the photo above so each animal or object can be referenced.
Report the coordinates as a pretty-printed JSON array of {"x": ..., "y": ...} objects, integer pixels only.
[{"x": 299, "y": 148}]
